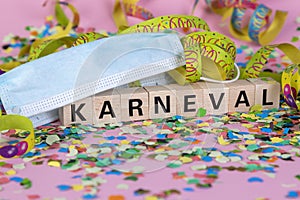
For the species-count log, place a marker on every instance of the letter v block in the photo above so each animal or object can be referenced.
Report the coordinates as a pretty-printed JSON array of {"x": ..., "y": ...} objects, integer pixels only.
[
  {"x": 267, "y": 92},
  {"x": 77, "y": 112},
  {"x": 107, "y": 107},
  {"x": 241, "y": 96},
  {"x": 134, "y": 103},
  {"x": 215, "y": 97},
  {"x": 162, "y": 101}
]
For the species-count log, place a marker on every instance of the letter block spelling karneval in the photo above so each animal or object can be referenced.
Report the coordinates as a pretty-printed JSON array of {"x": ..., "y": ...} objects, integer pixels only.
[{"x": 141, "y": 103}]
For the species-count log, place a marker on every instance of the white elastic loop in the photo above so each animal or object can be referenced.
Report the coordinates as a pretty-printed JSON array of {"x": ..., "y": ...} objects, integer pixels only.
[{"x": 227, "y": 81}]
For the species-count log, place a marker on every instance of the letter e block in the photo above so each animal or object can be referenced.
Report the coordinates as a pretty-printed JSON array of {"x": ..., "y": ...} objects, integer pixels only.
[
  {"x": 215, "y": 97},
  {"x": 162, "y": 101},
  {"x": 134, "y": 104},
  {"x": 78, "y": 112},
  {"x": 267, "y": 92},
  {"x": 241, "y": 96},
  {"x": 189, "y": 98},
  {"x": 107, "y": 107}
]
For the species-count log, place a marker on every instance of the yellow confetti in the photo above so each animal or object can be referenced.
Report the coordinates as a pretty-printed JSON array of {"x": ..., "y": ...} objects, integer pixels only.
[
  {"x": 185, "y": 159},
  {"x": 297, "y": 132},
  {"x": 10, "y": 172},
  {"x": 151, "y": 198},
  {"x": 54, "y": 163},
  {"x": 125, "y": 142},
  {"x": 250, "y": 142},
  {"x": 203, "y": 124},
  {"x": 76, "y": 142},
  {"x": 247, "y": 125},
  {"x": 256, "y": 107},
  {"x": 221, "y": 141},
  {"x": 276, "y": 139},
  {"x": 147, "y": 123},
  {"x": 77, "y": 187}
]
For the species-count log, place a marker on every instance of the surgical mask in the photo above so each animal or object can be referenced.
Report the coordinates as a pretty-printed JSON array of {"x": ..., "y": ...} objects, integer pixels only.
[{"x": 38, "y": 88}]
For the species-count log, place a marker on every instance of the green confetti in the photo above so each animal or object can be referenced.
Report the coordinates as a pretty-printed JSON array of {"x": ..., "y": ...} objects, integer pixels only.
[
  {"x": 193, "y": 181},
  {"x": 201, "y": 112},
  {"x": 174, "y": 165},
  {"x": 26, "y": 183},
  {"x": 295, "y": 39},
  {"x": 252, "y": 147},
  {"x": 298, "y": 177},
  {"x": 131, "y": 178}
]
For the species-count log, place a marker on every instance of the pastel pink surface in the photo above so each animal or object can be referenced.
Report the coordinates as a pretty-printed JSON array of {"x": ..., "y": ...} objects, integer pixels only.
[{"x": 16, "y": 14}]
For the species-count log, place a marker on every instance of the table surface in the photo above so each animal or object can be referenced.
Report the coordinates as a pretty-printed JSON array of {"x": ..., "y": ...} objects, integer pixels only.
[{"x": 213, "y": 157}]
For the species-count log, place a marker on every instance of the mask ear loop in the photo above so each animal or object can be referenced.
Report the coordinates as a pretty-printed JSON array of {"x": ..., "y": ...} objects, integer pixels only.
[{"x": 227, "y": 81}]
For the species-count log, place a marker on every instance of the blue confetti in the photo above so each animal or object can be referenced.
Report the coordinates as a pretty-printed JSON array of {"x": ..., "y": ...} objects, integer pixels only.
[
  {"x": 263, "y": 115},
  {"x": 267, "y": 150},
  {"x": 161, "y": 136},
  {"x": 16, "y": 179},
  {"x": 64, "y": 187},
  {"x": 113, "y": 173},
  {"x": 231, "y": 136},
  {"x": 199, "y": 121},
  {"x": 40, "y": 146},
  {"x": 266, "y": 130},
  {"x": 239, "y": 51},
  {"x": 178, "y": 117},
  {"x": 63, "y": 150},
  {"x": 121, "y": 138},
  {"x": 292, "y": 194},
  {"x": 89, "y": 196},
  {"x": 286, "y": 130},
  {"x": 188, "y": 189},
  {"x": 110, "y": 138},
  {"x": 190, "y": 139},
  {"x": 270, "y": 169},
  {"x": 207, "y": 159},
  {"x": 255, "y": 179},
  {"x": 116, "y": 162},
  {"x": 243, "y": 133}
]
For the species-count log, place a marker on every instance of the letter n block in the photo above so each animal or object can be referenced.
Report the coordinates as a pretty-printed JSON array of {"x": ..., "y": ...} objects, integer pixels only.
[
  {"x": 215, "y": 97},
  {"x": 162, "y": 101},
  {"x": 134, "y": 104},
  {"x": 107, "y": 107},
  {"x": 267, "y": 92},
  {"x": 189, "y": 98},
  {"x": 78, "y": 112},
  {"x": 241, "y": 96}
]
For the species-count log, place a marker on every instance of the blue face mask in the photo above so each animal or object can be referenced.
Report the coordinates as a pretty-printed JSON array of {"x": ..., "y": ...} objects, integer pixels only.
[{"x": 38, "y": 88}]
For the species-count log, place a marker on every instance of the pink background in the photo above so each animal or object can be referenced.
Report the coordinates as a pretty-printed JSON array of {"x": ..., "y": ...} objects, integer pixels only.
[{"x": 16, "y": 14}]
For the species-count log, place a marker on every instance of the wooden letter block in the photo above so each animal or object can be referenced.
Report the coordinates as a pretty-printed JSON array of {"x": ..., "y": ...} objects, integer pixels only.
[
  {"x": 162, "y": 101},
  {"x": 267, "y": 92},
  {"x": 215, "y": 97},
  {"x": 241, "y": 96},
  {"x": 107, "y": 107},
  {"x": 134, "y": 104},
  {"x": 189, "y": 99},
  {"x": 78, "y": 112}
]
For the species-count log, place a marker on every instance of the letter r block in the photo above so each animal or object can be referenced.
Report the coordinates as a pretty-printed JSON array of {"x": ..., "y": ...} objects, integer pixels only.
[
  {"x": 267, "y": 92},
  {"x": 162, "y": 101},
  {"x": 107, "y": 107},
  {"x": 77, "y": 112},
  {"x": 134, "y": 104},
  {"x": 215, "y": 97}
]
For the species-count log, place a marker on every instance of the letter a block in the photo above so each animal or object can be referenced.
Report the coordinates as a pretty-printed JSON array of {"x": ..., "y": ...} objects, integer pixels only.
[
  {"x": 216, "y": 97},
  {"x": 77, "y": 112},
  {"x": 107, "y": 107},
  {"x": 162, "y": 101},
  {"x": 189, "y": 98},
  {"x": 267, "y": 92},
  {"x": 241, "y": 96},
  {"x": 134, "y": 104}
]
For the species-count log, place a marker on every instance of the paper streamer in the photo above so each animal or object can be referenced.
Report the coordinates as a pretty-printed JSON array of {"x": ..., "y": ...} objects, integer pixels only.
[
  {"x": 16, "y": 148},
  {"x": 290, "y": 83},
  {"x": 258, "y": 29}
]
